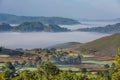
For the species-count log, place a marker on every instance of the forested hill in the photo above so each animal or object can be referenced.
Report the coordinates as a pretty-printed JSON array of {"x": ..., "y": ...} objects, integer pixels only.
[
  {"x": 5, "y": 51},
  {"x": 103, "y": 46},
  {"x": 31, "y": 27},
  {"x": 107, "y": 29},
  {"x": 13, "y": 19}
]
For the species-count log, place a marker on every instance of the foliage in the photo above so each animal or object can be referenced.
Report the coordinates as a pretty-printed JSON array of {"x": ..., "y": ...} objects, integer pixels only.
[
  {"x": 116, "y": 76},
  {"x": 49, "y": 68},
  {"x": 9, "y": 70},
  {"x": 117, "y": 61},
  {"x": 38, "y": 60}
]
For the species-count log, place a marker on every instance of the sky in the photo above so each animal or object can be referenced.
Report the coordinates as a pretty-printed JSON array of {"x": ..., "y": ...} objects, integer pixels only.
[{"x": 90, "y": 9}]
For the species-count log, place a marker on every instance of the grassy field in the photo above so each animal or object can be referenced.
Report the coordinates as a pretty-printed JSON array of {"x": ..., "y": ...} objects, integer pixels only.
[
  {"x": 28, "y": 68},
  {"x": 72, "y": 54},
  {"x": 85, "y": 56},
  {"x": 2, "y": 55},
  {"x": 2, "y": 64},
  {"x": 70, "y": 68},
  {"x": 97, "y": 62},
  {"x": 67, "y": 67}
]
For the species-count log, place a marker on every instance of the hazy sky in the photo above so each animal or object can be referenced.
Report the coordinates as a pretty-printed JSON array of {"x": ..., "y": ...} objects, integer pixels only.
[{"x": 93, "y": 9}]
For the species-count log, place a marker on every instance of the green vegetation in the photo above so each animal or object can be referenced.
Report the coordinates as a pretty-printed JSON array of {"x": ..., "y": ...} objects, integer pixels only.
[
  {"x": 2, "y": 64},
  {"x": 72, "y": 54},
  {"x": 98, "y": 62},
  {"x": 8, "y": 52},
  {"x": 69, "y": 68},
  {"x": 27, "y": 68},
  {"x": 4, "y": 55},
  {"x": 88, "y": 55},
  {"x": 48, "y": 71},
  {"x": 103, "y": 46},
  {"x": 38, "y": 67},
  {"x": 13, "y": 19}
]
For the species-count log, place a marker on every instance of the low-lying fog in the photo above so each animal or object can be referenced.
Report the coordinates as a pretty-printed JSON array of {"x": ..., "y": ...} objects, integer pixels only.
[
  {"x": 88, "y": 25},
  {"x": 44, "y": 39}
]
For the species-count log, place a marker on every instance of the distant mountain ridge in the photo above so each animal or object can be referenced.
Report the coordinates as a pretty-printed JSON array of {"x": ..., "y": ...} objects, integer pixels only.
[
  {"x": 115, "y": 28},
  {"x": 31, "y": 27},
  {"x": 99, "y": 20},
  {"x": 13, "y": 19},
  {"x": 5, "y": 27}
]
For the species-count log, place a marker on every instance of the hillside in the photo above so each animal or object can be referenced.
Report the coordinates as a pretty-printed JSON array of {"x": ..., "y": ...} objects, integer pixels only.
[
  {"x": 107, "y": 29},
  {"x": 13, "y": 19},
  {"x": 68, "y": 45},
  {"x": 103, "y": 46},
  {"x": 5, "y": 51},
  {"x": 31, "y": 27},
  {"x": 5, "y": 27}
]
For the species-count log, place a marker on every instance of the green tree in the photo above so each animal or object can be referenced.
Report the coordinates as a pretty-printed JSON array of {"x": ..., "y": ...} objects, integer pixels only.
[
  {"x": 79, "y": 59},
  {"x": 38, "y": 61},
  {"x": 116, "y": 76},
  {"x": 9, "y": 70},
  {"x": 117, "y": 61},
  {"x": 50, "y": 68},
  {"x": 106, "y": 66}
]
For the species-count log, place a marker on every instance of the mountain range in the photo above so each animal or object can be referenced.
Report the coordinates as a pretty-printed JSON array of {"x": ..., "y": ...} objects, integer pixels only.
[
  {"x": 14, "y": 19},
  {"x": 32, "y": 27},
  {"x": 115, "y": 28}
]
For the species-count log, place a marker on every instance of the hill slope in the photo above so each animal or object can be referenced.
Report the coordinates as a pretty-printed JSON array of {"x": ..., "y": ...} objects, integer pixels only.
[
  {"x": 4, "y": 51},
  {"x": 13, "y": 19},
  {"x": 68, "y": 45},
  {"x": 5, "y": 27},
  {"x": 103, "y": 46}
]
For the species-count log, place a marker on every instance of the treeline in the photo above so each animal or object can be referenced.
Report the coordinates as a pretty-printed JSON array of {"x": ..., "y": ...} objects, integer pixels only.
[
  {"x": 10, "y": 52},
  {"x": 32, "y": 27},
  {"x": 48, "y": 71},
  {"x": 53, "y": 55}
]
